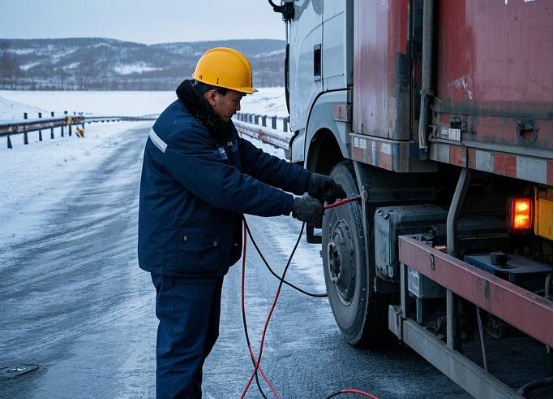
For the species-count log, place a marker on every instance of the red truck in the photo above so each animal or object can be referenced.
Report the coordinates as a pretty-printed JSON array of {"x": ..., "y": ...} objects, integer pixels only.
[{"x": 438, "y": 113}]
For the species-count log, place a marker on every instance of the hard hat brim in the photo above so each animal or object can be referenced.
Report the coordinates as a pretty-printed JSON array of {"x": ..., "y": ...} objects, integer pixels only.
[{"x": 244, "y": 90}]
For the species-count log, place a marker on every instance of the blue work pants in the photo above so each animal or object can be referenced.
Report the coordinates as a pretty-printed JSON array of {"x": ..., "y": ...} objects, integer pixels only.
[{"x": 188, "y": 310}]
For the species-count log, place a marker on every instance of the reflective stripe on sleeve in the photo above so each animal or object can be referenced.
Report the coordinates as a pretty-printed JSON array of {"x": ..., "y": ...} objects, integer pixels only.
[{"x": 158, "y": 142}]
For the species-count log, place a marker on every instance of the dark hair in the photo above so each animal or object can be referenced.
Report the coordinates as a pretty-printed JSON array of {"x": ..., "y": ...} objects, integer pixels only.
[{"x": 202, "y": 88}]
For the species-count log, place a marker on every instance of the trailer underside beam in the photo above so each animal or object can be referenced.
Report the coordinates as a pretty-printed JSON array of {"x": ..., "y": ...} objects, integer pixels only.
[
  {"x": 457, "y": 367},
  {"x": 518, "y": 307}
]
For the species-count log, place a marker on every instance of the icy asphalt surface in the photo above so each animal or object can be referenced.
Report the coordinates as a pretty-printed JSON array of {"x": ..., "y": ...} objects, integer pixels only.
[{"x": 75, "y": 303}]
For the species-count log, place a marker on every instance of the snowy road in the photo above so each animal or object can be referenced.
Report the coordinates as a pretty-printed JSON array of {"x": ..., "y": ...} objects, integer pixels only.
[{"x": 75, "y": 302}]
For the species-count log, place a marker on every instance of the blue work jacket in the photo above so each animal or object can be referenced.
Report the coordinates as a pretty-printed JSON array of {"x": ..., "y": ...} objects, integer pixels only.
[{"x": 193, "y": 194}]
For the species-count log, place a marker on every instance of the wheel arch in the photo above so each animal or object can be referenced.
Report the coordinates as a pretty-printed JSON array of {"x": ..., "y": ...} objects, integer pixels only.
[
  {"x": 326, "y": 138},
  {"x": 324, "y": 152}
]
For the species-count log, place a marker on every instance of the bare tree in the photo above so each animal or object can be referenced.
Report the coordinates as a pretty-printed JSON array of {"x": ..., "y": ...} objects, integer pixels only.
[
  {"x": 9, "y": 66},
  {"x": 62, "y": 74},
  {"x": 4, "y": 61}
]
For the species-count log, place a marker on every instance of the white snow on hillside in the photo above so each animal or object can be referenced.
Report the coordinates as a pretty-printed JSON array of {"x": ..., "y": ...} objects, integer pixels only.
[
  {"x": 136, "y": 68},
  {"x": 271, "y": 53},
  {"x": 29, "y": 66}
]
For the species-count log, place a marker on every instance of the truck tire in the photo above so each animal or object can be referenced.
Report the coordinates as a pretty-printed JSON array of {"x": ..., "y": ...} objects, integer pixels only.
[{"x": 357, "y": 311}]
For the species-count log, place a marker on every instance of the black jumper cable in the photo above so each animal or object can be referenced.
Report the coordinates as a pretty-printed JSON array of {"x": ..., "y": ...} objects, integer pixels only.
[{"x": 256, "y": 361}]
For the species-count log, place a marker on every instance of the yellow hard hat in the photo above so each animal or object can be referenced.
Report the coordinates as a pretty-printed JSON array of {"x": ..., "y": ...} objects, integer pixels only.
[{"x": 225, "y": 67}]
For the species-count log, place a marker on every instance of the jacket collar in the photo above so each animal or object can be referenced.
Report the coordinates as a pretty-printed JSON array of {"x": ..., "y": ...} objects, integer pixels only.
[{"x": 202, "y": 111}]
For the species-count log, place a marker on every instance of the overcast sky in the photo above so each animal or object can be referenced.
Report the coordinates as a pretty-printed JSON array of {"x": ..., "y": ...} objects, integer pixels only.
[{"x": 143, "y": 21}]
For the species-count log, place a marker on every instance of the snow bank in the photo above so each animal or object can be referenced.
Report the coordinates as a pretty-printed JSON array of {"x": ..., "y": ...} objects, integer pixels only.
[{"x": 10, "y": 110}]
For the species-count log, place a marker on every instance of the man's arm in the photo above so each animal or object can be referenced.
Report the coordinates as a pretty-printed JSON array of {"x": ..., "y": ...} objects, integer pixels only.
[
  {"x": 272, "y": 170},
  {"x": 192, "y": 159}
]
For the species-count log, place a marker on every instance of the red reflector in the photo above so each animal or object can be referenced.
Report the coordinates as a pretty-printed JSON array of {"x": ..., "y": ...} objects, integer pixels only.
[{"x": 521, "y": 217}]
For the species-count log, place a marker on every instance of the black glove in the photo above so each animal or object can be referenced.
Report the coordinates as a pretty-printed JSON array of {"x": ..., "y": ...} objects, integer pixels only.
[
  {"x": 324, "y": 188},
  {"x": 309, "y": 210}
]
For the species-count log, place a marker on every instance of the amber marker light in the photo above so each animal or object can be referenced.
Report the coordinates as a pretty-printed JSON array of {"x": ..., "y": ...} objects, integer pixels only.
[{"x": 521, "y": 216}]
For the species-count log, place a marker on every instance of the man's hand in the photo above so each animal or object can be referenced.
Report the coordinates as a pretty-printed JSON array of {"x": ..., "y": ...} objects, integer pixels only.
[
  {"x": 309, "y": 210},
  {"x": 324, "y": 188}
]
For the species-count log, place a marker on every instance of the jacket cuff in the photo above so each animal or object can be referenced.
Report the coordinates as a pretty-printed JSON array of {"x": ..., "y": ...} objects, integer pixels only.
[
  {"x": 303, "y": 182},
  {"x": 288, "y": 204}
]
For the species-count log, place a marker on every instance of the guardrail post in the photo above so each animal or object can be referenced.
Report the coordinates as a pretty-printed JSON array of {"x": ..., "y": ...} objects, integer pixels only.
[
  {"x": 274, "y": 122},
  {"x": 63, "y": 128},
  {"x": 9, "y": 142},
  {"x": 285, "y": 124},
  {"x": 40, "y": 131},
  {"x": 264, "y": 120},
  {"x": 52, "y": 129},
  {"x": 25, "y": 138},
  {"x": 69, "y": 129}
]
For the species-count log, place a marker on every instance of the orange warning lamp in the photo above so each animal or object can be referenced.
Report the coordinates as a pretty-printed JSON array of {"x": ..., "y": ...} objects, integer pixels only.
[{"x": 521, "y": 214}]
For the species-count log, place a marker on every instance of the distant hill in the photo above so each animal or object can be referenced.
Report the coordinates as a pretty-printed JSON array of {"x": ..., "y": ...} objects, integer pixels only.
[{"x": 108, "y": 64}]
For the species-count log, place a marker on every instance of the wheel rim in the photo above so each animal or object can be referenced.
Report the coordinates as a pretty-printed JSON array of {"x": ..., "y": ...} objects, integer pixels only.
[
  {"x": 342, "y": 261},
  {"x": 344, "y": 264}
]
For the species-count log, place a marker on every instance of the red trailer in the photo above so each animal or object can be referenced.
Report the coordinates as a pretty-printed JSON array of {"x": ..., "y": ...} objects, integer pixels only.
[{"x": 439, "y": 115}]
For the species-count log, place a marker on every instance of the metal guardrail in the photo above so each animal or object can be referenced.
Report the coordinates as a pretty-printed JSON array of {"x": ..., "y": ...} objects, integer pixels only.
[
  {"x": 24, "y": 126},
  {"x": 252, "y": 125},
  {"x": 256, "y": 126}
]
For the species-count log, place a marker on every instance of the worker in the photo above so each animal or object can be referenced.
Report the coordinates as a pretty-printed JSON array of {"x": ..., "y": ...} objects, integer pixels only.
[{"x": 198, "y": 179}]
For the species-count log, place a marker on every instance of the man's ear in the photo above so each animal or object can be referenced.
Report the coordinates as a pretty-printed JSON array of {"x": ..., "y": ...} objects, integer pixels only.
[{"x": 211, "y": 96}]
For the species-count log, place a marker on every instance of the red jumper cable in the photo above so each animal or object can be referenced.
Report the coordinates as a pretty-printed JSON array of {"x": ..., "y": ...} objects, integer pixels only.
[{"x": 257, "y": 361}]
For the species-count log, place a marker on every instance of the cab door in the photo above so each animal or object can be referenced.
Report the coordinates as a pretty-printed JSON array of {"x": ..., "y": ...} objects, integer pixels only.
[{"x": 305, "y": 79}]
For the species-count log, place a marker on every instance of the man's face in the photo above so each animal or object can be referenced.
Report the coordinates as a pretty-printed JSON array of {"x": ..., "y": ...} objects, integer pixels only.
[{"x": 224, "y": 106}]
